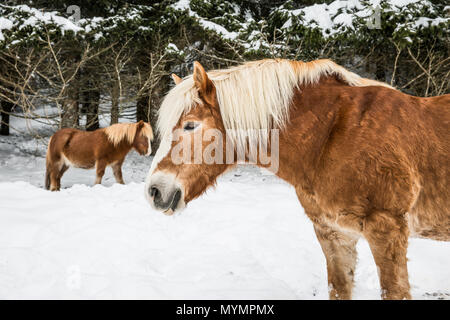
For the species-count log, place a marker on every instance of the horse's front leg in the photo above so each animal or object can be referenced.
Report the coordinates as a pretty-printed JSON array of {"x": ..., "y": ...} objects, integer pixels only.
[
  {"x": 100, "y": 171},
  {"x": 340, "y": 252},
  {"x": 387, "y": 234},
  {"x": 117, "y": 169}
]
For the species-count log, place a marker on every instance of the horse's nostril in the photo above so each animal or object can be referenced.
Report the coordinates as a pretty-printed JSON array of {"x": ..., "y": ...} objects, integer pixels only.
[
  {"x": 154, "y": 192},
  {"x": 176, "y": 199}
]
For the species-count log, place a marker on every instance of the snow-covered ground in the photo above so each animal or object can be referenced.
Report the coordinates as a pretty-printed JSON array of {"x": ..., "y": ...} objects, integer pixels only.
[{"x": 247, "y": 239}]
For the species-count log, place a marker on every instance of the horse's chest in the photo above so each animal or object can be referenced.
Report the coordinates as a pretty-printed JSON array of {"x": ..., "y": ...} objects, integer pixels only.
[{"x": 327, "y": 210}]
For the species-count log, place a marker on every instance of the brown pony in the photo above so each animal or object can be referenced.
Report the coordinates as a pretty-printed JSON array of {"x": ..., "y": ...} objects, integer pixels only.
[
  {"x": 366, "y": 160},
  {"x": 100, "y": 148}
]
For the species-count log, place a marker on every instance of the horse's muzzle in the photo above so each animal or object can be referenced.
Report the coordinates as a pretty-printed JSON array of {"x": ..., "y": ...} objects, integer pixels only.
[
  {"x": 165, "y": 203},
  {"x": 164, "y": 195}
]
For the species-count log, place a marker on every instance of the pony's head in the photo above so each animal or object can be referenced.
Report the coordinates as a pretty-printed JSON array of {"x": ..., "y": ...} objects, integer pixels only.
[
  {"x": 190, "y": 110},
  {"x": 139, "y": 135},
  {"x": 143, "y": 138}
]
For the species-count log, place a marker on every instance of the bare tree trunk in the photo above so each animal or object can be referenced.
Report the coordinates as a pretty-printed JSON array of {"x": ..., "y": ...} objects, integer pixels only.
[
  {"x": 143, "y": 109},
  {"x": 115, "y": 96},
  {"x": 155, "y": 102},
  {"x": 69, "y": 118},
  {"x": 5, "y": 109},
  {"x": 92, "y": 105},
  {"x": 151, "y": 117},
  {"x": 89, "y": 98},
  {"x": 380, "y": 72}
]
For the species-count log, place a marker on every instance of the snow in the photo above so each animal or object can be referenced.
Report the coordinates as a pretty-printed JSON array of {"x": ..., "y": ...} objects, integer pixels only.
[
  {"x": 403, "y": 3},
  {"x": 172, "y": 48},
  {"x": 218, "y": 29},
  {"x": 23, "y": 16},
  {"x": 330, "y": 19},
  {"x": 184, "y": 5},
  {"x": 4, "y": 24},
  {"x": 321, "y": 15},
  {"x": 38, "y": 16},
  {"x": 340, "y": 15},
  {"x": 425, "y": 22},
  {"x": 246, "y": 239}
]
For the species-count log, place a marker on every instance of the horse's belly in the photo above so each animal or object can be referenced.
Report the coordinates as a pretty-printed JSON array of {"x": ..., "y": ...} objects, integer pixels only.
[
  {"x": 78, "y": 162},
  {"x": 429, "y": 223}
]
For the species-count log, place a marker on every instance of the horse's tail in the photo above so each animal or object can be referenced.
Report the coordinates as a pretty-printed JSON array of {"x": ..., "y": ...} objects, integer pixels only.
[
  {"x": 47, "y": 179},
  {"x": 47, "y": 166}
]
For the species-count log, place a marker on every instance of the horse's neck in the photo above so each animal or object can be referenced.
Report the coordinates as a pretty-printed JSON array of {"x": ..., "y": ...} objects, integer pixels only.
[
  {"x": 312, "y": 118},
  {"x": 124, "y": 147}
]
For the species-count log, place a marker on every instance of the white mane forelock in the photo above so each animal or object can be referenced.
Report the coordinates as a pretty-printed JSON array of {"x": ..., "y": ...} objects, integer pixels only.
[{"x": 253, "y": 96}]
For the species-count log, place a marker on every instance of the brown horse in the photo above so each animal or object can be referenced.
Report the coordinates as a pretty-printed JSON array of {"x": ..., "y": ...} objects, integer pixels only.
[
  {"x": 100, "y": 148},
  {"x": 366, "y": 160}
]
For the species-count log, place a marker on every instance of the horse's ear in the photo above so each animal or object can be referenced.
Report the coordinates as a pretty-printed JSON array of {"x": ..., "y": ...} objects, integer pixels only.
[
  {"x": 202, "y": 82},
  {"x": 176, "y": 78},
  {"x": 140, "y": 124}
]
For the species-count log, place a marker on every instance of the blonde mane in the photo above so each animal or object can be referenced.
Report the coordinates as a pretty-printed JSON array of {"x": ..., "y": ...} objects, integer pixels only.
[
  {"x": 255, "y": 95},
  {"x": 126, "y": 131}
]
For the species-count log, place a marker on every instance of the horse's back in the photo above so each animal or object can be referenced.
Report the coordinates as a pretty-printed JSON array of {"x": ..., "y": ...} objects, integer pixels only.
[
  {"x": 59, "y": 139},
  {"x": 75, "y": 147}
]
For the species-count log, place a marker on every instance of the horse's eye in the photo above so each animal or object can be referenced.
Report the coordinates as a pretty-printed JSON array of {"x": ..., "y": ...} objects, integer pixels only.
[{"x": 189, "y": 126}]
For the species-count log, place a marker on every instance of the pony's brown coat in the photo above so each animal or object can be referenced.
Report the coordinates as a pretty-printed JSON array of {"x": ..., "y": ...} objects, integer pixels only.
[
  {"x": 99, "y": 148},
  {"x": 365, "y": 161}
]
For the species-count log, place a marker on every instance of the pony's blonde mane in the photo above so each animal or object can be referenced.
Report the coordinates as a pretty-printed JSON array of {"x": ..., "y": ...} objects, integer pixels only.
[
  {"x": 126, "y": 131},
  {"x": 255, "y": 95}
]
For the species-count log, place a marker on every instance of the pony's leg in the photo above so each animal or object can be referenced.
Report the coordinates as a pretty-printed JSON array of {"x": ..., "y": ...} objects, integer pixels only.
[
  {"x": 387, "y": 235},
  {"x": 53, "y": 171},
  {"x": 117, "y": 169},
  {"x": 340, "y": 252},
  {"x": 100, "y": 168},
  {"x": 60, "y": 174},
  {"x": 54, "y": 182}
]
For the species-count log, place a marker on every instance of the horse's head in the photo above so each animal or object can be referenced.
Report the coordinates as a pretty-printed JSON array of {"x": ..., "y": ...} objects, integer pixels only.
[
  {"x": 143, "y": 138},
  {"x": 190, "y": 156}
]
